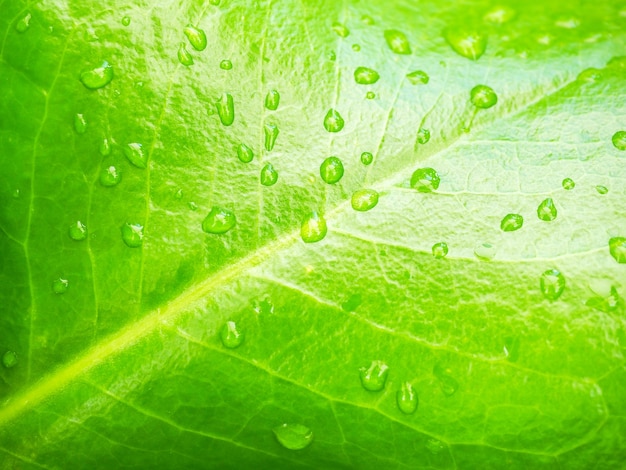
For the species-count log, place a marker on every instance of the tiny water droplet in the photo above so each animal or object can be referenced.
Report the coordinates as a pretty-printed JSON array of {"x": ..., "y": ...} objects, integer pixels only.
[
  {"x": 110, "y": 176},
  {"x": 293, "y": 436},
  {"x": 397, "y": 41},
  {"x": 425, "y": 180},
  {"x": 272, "y": 99},
  {"x": 499, "y": 14},
  {"x": 97, "y": 77},
  {"x": 332, "y": 56},
  {"x": 9, "y": 359},
  {"x": 341, "y": 30},
  {"x": 192, "y": 205},
  {"x": 602, "y": 189},
  {"x": 126, "y": 20},
  {"x": 367, "y": 158},
  {"x": 179, "y": 194},
  {"x": 356, "y": 47},
  {"x": 226, "y": 109},
  {"x": 352, "y": 303},
  {"x": 619, "y": 140},
  {"x": 406, "y": 398},
  {"x": 244, "y": 153},
  {"x": 78, "y": 231},
  {"x": 423, "y": 136},
  {"x": 218, "y": 221},
  {"x": 568, "y": 183},
  {"x": 60, "y": 286},
  {"x": 440, "y": 250},
  {"x": 331, "y": 170},
  {"x": 552, "y": 284},
  {"x": 80, "y": 124},
  {"x": 24, "y": 23},
  {"x": 313, "y": 228},
  {"x": 271, "y": 133},
  {"x": 419, "y": 77},
  {"x": 483, "y": 96},
  {"x": 196, "y": 37},
  {"x": 465, "y": 42},
  {"x": 365, "y": 76},
  {"x": 263, "y": 306},
  {"x": 435, "y": 446},
  {"x": 448, "y": 384},
  {"x": 269, "y": 176},
  {"x": 135, "y": 154},
  {"x": 485, "y": 251},
  {"x": 333, "y": 122},
  {"x": 132, "y": 234},
  {"x": 105, "y": 147},
  {"x": 231, "y": 335},
  {"x": 374, "y": 377},
  {"x": 617, "y": 248},
  {"x": 547, "y": 210},
  {"x": 364, "y": 199},
  {"x": 184, "y": 56},
  {"x": 370, "y": 95},
  {"x": 226, "y": 64},
  {"x": 511, "y": 222},
  {"x": 589, "y": 75}
]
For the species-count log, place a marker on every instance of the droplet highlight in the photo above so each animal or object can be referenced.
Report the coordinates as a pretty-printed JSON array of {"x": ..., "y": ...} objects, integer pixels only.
[
  {"x": 293, "y": 436},
  {"x": 419, "y": 77},
  {"x": 272, "y": 99},
  {"x": 110, "y": 176},
  {"x": 226, "y": 109},
  {"x": 313, "y": 228},
  {"x": 365, "y": 76},
  {"x": 552, "y": 284},
  {"x": 617, "y": 249},
  {"x": 244, "y": 153},
  {"x": 333, "y": 122},
  {"x": 364, "y": 200},
  {"x": 226, "y": 64},
  {"x": 97, "y": 77},
  {"x": 547, "y": 210},
  {"x": 483, "y": 96},
  {"x": 397, "y": 42},
  {"x": 196, "y": 37},
  {"x": 132, "y": 235},
  {"x": 218, "y": 221},
  {"x": 425, "y": 180},
  {"x": 374, "y": 377},
  {"x": 271, "y": 134},
  {"x": 135, "y": 155},
  {"x": 77, "y": 231},
  {"x": 105, "y": 147},
  {"x": 269, "y": 176},
  {"x": 511, "y": 222},
  {"x": 467, "y": 43},
  {"x": 231, "y": 335},
  {"x": 407, "y": 399},
  {"x": 331, "y": 170}
]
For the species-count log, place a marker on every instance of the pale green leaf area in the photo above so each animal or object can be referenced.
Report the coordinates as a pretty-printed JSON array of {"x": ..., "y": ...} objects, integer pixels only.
[{"x": 138, "y": 333}]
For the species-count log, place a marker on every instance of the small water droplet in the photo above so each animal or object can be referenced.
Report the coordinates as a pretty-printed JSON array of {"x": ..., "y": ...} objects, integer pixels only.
[
  {"x": 231, "y": 335},
  {"x": 511, "y": 222},
  {"x": 313, "y": 228},
  {"x": 568, "y": 183},
  {"x": 192, "y": 205},
  {"x": 419, "y": 77},
  {"x": 356, "y": 47},
  {"x": 218, "y": 221},
  {"x": 269, "y": 176},
  {"x": 370, "y": 95},
  {"x": 272, "y": 99},
  {"x": 440, "y": 250},
  {"x": 80, "y": 124},
  {"x": 547, "y": 210},
  {"x": 333, "y": 122},
  {"x": 179, "y": 194},
  {"x": 226, "y": 64},
  {"x": 110, "y": 176},
  {"x": 271, "y": 133},
  {"x": 602, "y": 189},
  {"x": 367, "y": 158},
  {"x": 9, "y": 359},
  {"x": 365, "y": 76},
  {"x": 589, "y": 75},
  {"x": 364, "y": 199},
  {"x": 397, "y": 41},
  {"x": 97, "y": 77},
  {"x": 105, "y": 147},
  {"x": 485, "y": 251},
  {"x": 126, "y": 20},
  {"x": 423, "y": 136},
  {"x": 483, "y": 96},
  {"x": 263, "y": 306},
  {"x": 352, "y": 303},
  {"x": 332, "y": 56},
  {"x": 293, "y": 436},
  {"x": 499, "y": 14},
  {"x": 60, "y": 286},
  {"x": 341, "y": 30},
  {"x": 24, "y": 23},
  {"x": 184, "y": 56},
  {"x": 552, "y": 284},
  {"x": 135, "y": 154},
  {"x": 196, "y": 37},
  {"x": 425, "y": 180},
  {"x": 448, "y": 384},
  {"x": 244, "y": 153},
  {"x": 465, "y": 42},
  {"x": 374, "y": 377},
  {"x": 407, "y": 399},
  {"x": 78, "y": 231},
  {"x": 435, "y": 446},
  {"x": 619, "y": 140},
  {"x": 617, "y": 248},
  {"x": 331, "y": 170},
  {"x": 226, "y": 109},
  {"x": 132, "y": 234}
]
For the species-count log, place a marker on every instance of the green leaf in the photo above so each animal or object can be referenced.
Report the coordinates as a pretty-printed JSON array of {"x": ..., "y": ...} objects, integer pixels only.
[{"x": 295, "y": 330}]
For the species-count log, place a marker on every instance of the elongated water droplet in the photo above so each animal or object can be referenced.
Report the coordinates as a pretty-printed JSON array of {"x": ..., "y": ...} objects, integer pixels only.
[
  {"x": 465, "y": 42},
  {"x": 511, "y": 222},
  {"x": 9, "y": 359},
  {"x": 135, "y": 154},
  {"x": 552, "y": 284},
  {"x": 448, "y": 384},
  {"x": 196, "y": 37},
  {"x": 132, "y": 234},
  {"x": 126, "y": 20},
  {"x": 218, "y": 221},
  {"x": 617, "y": 248},
  {"x": 483, "y": 97},
  {"x": 547, "y": 210},
  {"x": 619, "y": 140},
  {"x": 407, "y": 399},
  {"x": 80, "y": 123},
  {"x": 110, "y": 176},
  {"x": 423, "y": 136},
  {"x": 184, "y": 56},
  {"x": 397, "y": 41},
  {"x": 425, "y": 180},
  {"x": 365, "y": 76},
  {"x": 244, "y": 153},
  {"x": 500, "y": 14},
  {"x": 272, "y": 99},
  {"x": 226, "y": 64},
  {"x": 568, "y": 183},
  {"x": 23, "y": 24},
  {"x": 341, "y": 30},
  {"x": 440, "y": 250},
  {"x": 293, "y": 436},
  {"x": 60, "y": 286},
  {"x": 331, "y": 170},
  {"x": 179, "y": 193},
  {"x": 419, "y": 77},
  {"x": 105, "y": 147},
  {"x": 226, "y": 109},
  {"x": 77, "y": 231},
  {"x": 313, "y": 228},
  {"x": 271, "y": 133},
  {"x": 374, "y": 377},
  {"x": 231, "y": 335},
  {"x": 367, "y": 158},
  {"x": 269, "y": 176},
  {"x": 97, "y": 77},
  {"x": 602, "y": 189},
  {"x": 364, "y": 199},
  {"x": 485, "y": 251},
  {"x": 333, "y": 122}
]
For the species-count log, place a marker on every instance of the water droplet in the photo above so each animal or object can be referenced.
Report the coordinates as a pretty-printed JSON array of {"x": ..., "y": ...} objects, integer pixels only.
[
  {"x": 407, "y": 399},
  {"x": 226, "y": 109},
  {"x": 552, "y": 283},
  {"x": 218, "y": 221},
  {"x": 374, "y": 377},
  {"x": 226, "y": 64},
  {"x": 370, "y": 95},
  {"x": 231, "y": 335},
  {"x": 132, "y": 234},
  {"x": 16, "y": 194},
  {"x": 135, "y": 154},
  {"x": 179, "y": 194},
  {"x": 184, "y": 56},
  {"x": 425, "y": 180},
  {"x": 269, "y": 176},
  {"x": 341, "y": 30},
  {"x": 465, "y": 42},
  {"x": 483, "y": 96},
  {"x": 78, "y": 231},
  {"x": 435, "y": 446},
  {"x": 271, "y": 133},
  {"x": 263, "y": 306},
  {"x": 397, "y": 41},
  {"x": 365, "y": 76},
  {"x": 547, "y": 210},
  {"x": 419, "y": 77},
  {"x": 333, "y": 122},
  {"x": 97, "y": 77},
  {"x": 619, "y": 140},
  {"x": 352, "y": 303},
  {"x": 331, "y": 170},
  {"x": 332, "y": 56},
  {"x": 272, "y": 99},
  {"x": 126, "y": 20},
  {"x": 60, "y": 286},
  {"x": 313, "y": 228},
  {"x": 24, "y": 23},
  {"x": 293, "y": 436},
  {"x": 110, "y": 176},
  {"x": 602, "y": 189},
  {"x": 80, "y": 124},
  {"x": 485, "y": 251},
  {"x": 196, "y": 37},
  {"x": 568, "y": 183},
  {"x": 244, "y": 153},
  {"x": 617, "y": 248},
  {"x": 367, "y": 158},
  {"x": 364, "y": 199},
  {"x": 589, "y": 75},
  {"x": 511, "y": 222},
  {"x": 192, "y": 205},
  {"x": 448, "y": 384},
  {"x": 105, "y": 147},
  {"x": 499, "y": 14},
  {"x": 356, "y": 47},
  {"x": 440, "y": 250},
  {"x": 9, "y": 359},
  {"x": 423, "y": 136}
]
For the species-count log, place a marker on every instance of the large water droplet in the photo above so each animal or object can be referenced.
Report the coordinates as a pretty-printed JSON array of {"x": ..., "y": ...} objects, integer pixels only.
[
  {"x": 226, "y": 109},
  {"x": 293, "y": 436},
  {"x": 313, "y": 228},
  {"x": 448, "y": 384},
  {"x": 552, "y": 283},
  {"x": 80, "y": 123},
  {"x": 132, "y": 234},
  {"x": 333, "y": 122},
  {"x": 184, "y": 56},
  {"x": 374, "y": 377},
  {"x": 617, "y": 248},
  {"x": 135, "y": 154},
  {"x": 97, "y": 77},
  {"x": 619, "y": 140},
  {"x": 367, "y": 158},
  {"x": 341, "y": 30},
  {"x": 485, "y": 251},
  {"x": 547, "y": 210},
  {"x": 24, "y": 23},
  {"x": 423, "y": 136},
  {"x": 272, "y": 99},
  {"x": 196, "y": 37},
  {"x": 77, "y": 231},
  {"x": 465, "y": 42},
  {"x": 364, "y": 199},
  {"x": 231, "y": 335},
  {"x": 269, "y": 176},
  {"x": 331, "y": 170},
  {"x": 483, "y": 96},
  {"x": 110, "y": 176},
  {"x": 568, "y": 183},
  {"x": 244, "y": 153},
  {"x": 365, "y": 76},
  {"x": 218, "y": 221},
  {"x": 9, "y": 359},
  {"x": 226, "y": 64},
  {"x": 105, "y": 147},
  {"x": 60, "y": 286},
  {"x": 440, "y": 250},
  {"x": 271, "y": 133},
  {"x": 419, "y": 77},
  {"x": 397, "y": 41},
  {"x": 407, "y": 399},
  {"x": 511, "y": 222},
  {"x": 425, "y": 180}
]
